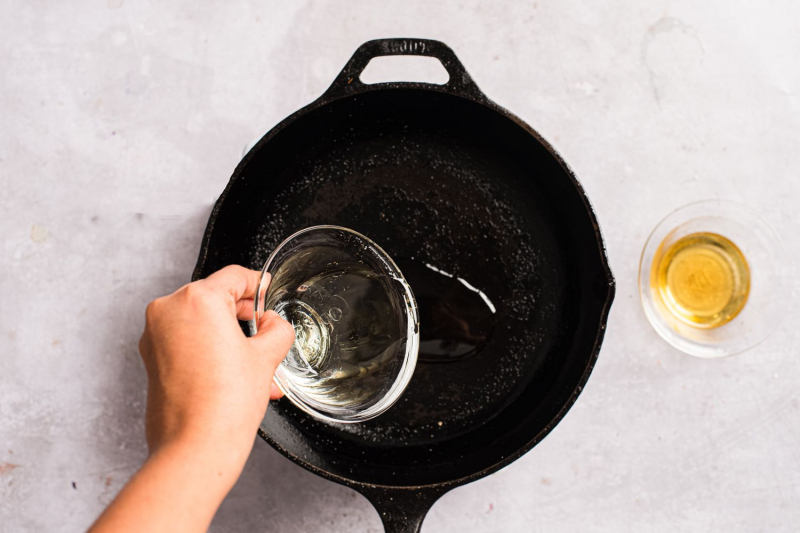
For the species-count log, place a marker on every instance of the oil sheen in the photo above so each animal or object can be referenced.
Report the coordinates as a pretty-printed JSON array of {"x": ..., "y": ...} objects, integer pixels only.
[
  {"x": 457, "y": 318},
  {"x": 702, "y": 279}
]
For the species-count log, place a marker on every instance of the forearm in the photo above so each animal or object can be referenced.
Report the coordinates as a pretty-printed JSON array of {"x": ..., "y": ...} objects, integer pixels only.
[
  {"x": 208, "y": 389},
  {"x": 179, "y": 489}
]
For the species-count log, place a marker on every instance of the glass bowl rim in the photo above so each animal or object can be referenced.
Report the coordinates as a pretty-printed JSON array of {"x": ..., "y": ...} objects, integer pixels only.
[
  {"x": 721, "y": 205},
  {"x": 410, "y": 360}
]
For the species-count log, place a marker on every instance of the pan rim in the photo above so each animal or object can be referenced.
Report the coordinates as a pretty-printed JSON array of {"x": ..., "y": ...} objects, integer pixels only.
[{"x": 610, "y": 285}]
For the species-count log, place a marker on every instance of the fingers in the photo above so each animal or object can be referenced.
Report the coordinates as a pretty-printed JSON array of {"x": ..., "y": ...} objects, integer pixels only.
[
  {"x": 236, "y": 280},
  {"x": 275, "y": 393},
  {"x": 244, "y": 309},
  {"x": 273, "y": 340}
]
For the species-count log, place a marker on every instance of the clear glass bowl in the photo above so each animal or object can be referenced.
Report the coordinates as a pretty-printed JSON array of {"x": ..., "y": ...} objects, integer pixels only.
[
  {"x": 768, "y": 300},
  {"x": 355, "y": 318}
]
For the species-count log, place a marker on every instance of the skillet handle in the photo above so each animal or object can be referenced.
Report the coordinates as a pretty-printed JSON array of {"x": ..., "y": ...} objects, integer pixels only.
[
  {"x": 349, "y": 82},
  {"x": 402, "y": 510}
]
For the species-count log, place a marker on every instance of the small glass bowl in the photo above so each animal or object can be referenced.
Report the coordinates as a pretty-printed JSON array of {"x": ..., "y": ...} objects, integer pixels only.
[
  {"x": 356, "y": 323},
  {"x": 766, "y": 258}
]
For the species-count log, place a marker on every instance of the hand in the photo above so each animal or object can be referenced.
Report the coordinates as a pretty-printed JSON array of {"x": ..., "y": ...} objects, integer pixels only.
[
  {"x": 208, "y": 390},
  {"x": 206, "y": 379}
]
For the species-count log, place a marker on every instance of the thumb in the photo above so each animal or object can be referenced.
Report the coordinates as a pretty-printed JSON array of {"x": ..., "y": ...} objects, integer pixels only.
[{"x": 273, "y": 339}]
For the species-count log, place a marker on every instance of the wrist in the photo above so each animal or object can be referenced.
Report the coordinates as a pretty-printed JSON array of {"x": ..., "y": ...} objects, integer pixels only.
[{"x": 214, "y": 459}]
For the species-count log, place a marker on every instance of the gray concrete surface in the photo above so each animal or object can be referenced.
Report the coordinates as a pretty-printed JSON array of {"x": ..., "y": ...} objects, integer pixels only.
[{"x": 122, "y": 121}]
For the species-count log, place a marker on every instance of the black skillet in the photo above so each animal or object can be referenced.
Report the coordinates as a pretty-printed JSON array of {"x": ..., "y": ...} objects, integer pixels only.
[{"x": 454, "y": 188}]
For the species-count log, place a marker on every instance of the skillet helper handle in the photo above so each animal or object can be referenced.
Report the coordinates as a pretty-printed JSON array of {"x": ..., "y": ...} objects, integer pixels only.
[
  {"x": 349, "y": 79},
  {"x": 402, "y": 510}
]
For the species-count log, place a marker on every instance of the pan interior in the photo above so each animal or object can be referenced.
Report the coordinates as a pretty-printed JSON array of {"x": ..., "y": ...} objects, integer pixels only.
[{"x": 448, "y": 187}]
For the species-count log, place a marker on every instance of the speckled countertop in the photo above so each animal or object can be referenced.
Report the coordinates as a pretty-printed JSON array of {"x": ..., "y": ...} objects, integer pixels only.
[{"x": 123, "y": 120}]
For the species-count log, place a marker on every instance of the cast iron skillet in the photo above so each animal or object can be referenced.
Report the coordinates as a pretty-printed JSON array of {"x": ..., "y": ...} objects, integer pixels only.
[{"x": 442, "y": 178}]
